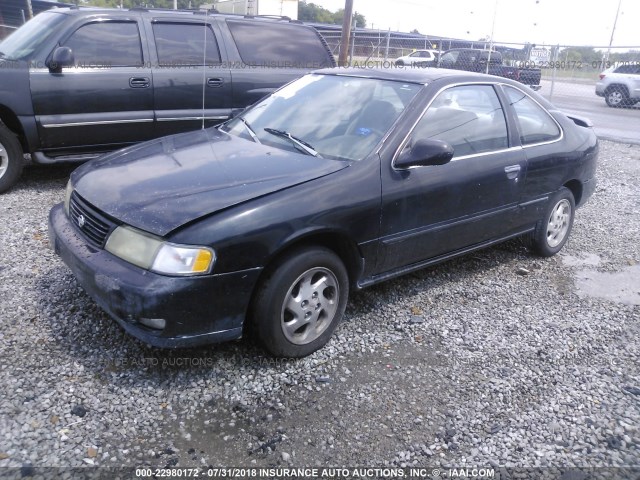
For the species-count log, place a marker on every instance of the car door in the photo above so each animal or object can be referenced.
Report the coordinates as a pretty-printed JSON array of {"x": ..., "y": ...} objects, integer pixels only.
[
  {"x": 191, "y": 80},
  {"x": 86, "y": 107},
  {"x": 539, "y": 134},
  {"x": 430, "y": 211}
]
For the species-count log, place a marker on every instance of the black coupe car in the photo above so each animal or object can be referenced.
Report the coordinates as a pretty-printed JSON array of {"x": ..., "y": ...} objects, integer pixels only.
[{"x": 339, "y": 180}]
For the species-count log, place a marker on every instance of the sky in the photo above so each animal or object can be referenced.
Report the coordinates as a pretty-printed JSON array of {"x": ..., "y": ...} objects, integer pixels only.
[{"x": 544, "y": 22}]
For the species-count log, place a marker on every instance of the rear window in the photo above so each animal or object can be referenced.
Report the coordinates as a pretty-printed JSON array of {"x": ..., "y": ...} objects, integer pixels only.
[
  {"x": 534, "y": 123},
  {"x": 279, "y": 45}
]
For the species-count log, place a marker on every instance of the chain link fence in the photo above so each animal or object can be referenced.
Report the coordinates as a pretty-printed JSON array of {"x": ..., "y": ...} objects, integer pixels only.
[{"x": 560, "y": 72}]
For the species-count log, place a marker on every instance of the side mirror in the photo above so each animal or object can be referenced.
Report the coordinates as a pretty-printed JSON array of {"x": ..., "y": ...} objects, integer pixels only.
[
  {"x": 62, "y": 57},
  {"x": 425, "y": 153}
]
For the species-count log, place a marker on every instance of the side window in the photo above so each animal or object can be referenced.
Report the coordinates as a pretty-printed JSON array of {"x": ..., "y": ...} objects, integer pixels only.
[
  {"x": 111, "y": 44},
  {"x": 450, "y": 57},
  {"x": 625, "y": 69},
  {"x": 534, "y": 123},
  {"x": 273, "y": 44},
  {"x": 469, "y": 118},
  {"x": 183, "y": 44}
]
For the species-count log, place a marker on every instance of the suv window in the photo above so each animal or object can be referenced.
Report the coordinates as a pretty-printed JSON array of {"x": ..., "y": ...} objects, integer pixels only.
[
  {"x": 628, "y": 69},
  {"x": 450, "y": 57},
  {"x": 278, "y": 45},
  {"x": 183, "y": 44},
  {"x": 469, "y": 118},
  {"x": 534, "y": 123},
  {"x": 115, "y": 44}
]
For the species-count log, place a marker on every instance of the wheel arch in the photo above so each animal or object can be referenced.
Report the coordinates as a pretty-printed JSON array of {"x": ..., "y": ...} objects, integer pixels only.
[
  {"x": 576, "y": 188},
  {"x": 10, "y": 120},
  {"x": 338, "y": 242},
  {"x": 617, "y": 86}
]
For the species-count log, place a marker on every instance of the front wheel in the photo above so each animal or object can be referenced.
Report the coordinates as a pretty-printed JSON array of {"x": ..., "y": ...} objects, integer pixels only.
[
  {"x": 300, "y": 302},
  {"x": 11, "y": 159},
  {"x": 553, "y": 230}
]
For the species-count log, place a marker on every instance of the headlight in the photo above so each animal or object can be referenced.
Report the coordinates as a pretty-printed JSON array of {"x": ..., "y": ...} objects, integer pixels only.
[
  {"x": 67, "y": 197},
  {"x": 151, "y": 253},
  {"x": 183, "y": 260}
]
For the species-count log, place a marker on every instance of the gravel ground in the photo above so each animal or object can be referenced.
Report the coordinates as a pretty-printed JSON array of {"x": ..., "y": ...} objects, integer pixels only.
[{"x": 498, "y": 358}]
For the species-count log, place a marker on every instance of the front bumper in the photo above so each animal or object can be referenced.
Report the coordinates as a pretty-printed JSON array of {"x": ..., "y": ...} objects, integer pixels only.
[
  {"x": 198, "y": 310},
  {"x": 599, "y": 89}
]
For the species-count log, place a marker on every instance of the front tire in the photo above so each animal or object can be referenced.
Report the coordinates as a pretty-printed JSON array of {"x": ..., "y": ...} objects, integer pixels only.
[
  {"x": 11, "y": 159},
  {"x": 552, "y": 232},
  {"x": 300, "y": 302}
]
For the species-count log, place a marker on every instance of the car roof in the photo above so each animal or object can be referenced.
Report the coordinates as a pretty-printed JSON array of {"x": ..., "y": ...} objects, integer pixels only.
[
  {"x": 413, "y": 75},
  {"x": 126, "y": 12},
  {"x": 425, "y": 76}
]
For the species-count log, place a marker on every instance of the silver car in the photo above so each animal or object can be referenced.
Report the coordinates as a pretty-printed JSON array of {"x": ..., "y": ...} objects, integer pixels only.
[
  {"x": 620, "y": 85},
  {"x": 419, "y": 58}
]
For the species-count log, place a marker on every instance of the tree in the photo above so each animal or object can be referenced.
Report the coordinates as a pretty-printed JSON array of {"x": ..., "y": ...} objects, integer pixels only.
[
  {"x": 310, "y": 12},
  {"x": 584, "y": 55}
]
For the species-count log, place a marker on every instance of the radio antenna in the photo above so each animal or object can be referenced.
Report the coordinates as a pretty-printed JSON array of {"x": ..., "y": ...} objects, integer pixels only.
[{"x": 204, "y": 66}]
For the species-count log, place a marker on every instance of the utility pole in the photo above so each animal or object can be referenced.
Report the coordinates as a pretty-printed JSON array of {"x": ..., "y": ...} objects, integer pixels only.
[
  {"x": 613, "y": 30},
  {"x": 493, "y": 28},
  {"x": 29, "y": 10},
  {"x": 346, "y": 33}
]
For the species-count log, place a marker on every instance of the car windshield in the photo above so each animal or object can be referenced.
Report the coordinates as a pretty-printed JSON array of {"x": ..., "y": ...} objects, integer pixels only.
[
  {"x": 22, "y": 43},
  {"x": 333, "y": 116}
]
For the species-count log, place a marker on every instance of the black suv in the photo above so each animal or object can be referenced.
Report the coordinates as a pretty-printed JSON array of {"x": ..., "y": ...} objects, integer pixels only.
[{"x": 75, "y": 83}]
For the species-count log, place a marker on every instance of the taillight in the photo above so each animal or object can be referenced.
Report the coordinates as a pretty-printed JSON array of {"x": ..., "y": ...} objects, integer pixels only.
[{"x": 602, "y": 75}]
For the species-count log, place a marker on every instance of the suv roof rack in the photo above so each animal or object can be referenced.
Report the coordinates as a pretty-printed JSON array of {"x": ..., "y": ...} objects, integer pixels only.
[
  {"x": 274, "y": 17},
  {"x": 171, "y": 10}
]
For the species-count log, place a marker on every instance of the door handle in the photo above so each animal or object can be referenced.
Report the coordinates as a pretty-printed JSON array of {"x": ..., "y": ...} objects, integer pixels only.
[
  {"x": 215, "y": 82},
  {"x": 512, "y": 171},
  {"x": 139, "y": 82}
]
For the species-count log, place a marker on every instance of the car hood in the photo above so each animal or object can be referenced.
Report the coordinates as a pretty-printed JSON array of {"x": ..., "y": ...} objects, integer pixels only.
[{"x": 163, "y": 184}]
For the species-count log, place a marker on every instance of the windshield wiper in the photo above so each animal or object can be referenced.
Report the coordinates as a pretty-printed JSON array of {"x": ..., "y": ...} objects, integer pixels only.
[
  {"x": 300, "y": 144},
  {"x": 250, "y": 130}
]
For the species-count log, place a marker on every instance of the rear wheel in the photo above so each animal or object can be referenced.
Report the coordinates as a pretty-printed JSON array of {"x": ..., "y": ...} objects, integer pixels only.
[
  {"x": 552, "y": 232},
  {"x": 300, "y": 302},
  {"x": 11, "y": 158},
  {"x": 617, "y": 96}
]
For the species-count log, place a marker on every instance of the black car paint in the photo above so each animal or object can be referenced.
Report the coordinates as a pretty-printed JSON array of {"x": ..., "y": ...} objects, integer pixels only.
[
  {"x": 52, "y": 111},
  {"x": 178, "y": 177},
  {"x": 383, "y": 222}
]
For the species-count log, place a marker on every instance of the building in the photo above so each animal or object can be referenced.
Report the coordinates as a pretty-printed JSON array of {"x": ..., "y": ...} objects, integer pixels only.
[{"x": 280, "y": 8}]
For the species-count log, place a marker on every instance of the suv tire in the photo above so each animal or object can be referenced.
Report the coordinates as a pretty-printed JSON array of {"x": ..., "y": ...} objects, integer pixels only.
[
  {"x": 617, "y": 96},
  {"x": 11, "y": 158}
]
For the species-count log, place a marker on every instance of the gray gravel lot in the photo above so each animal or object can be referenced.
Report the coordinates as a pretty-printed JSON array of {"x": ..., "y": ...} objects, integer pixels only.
[{"x": 499, "y": 358}]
